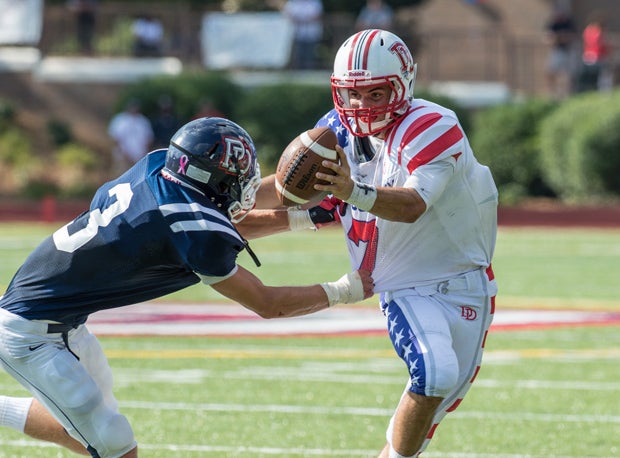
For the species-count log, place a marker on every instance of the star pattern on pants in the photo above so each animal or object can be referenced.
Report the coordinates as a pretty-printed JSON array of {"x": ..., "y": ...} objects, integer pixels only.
[{"x": 397, "y": 334}]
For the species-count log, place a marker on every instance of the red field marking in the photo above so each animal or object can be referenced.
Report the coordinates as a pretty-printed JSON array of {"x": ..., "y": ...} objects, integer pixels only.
[
  {"x": 234, "y": 320},
  {"x": 545, "y": 213}
]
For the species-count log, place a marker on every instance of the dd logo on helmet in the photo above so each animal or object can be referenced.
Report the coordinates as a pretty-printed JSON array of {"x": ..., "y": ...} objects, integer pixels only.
[
  {"x": 403, "y": 54},
  {"x": 237, "y": 157}
]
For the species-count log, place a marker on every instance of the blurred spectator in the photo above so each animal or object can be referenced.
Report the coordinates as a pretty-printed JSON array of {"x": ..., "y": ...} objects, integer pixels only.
[
  {"x": 375, "y": 15},
  {"x": 562, "y": 61},
  {"x": 132, "y": 134},
  {"x": 596, "y": 73},
  {"x": 85, "y": 12},
  {"x": 148, "y": 34},
  {"x": 307, "y": 17},
  {"x": 165, "y": 123},
  {"x": 207, "y": 109}
]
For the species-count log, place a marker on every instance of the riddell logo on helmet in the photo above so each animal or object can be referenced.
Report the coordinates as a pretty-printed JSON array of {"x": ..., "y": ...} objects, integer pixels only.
[{"x": 358, "y": 74}]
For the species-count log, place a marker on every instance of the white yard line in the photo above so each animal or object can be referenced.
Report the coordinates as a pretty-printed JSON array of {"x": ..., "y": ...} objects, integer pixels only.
[
  {"x": 363, "y": 411},
  {"x": 245, "y": 450},
  {"x": 125, "y": 376}
]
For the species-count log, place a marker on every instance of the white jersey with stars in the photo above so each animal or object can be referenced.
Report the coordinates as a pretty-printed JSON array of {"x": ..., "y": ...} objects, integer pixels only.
[{"x": 428, "y": 151}]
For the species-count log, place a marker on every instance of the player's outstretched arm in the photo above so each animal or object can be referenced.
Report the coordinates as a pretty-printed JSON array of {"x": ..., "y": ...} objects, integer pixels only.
[
  {"x": 268, "y": 217},
  {"x": 263, "y": 222},
  {"x": 266, "y": 196},
  {"x": 260, "y": 223},
  {"x": 286, "y": 301}
]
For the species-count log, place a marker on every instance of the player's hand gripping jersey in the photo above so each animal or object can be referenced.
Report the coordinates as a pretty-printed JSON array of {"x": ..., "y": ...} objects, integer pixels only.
[
  {"x": 126, "y": 249},
  {"x": 428, "y": 151}
]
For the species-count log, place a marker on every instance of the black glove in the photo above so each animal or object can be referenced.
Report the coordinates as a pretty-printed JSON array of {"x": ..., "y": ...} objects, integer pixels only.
[{"x": 326, "y": 212}]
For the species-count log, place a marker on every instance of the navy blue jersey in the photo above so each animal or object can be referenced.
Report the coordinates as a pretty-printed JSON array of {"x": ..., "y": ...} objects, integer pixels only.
[{"x": 143, "y": 237}]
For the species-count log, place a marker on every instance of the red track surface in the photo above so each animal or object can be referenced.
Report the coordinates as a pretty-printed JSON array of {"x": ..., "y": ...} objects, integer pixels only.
[
  {"x": 233, "y": 320},
  {"x": 541, "y": 214},
  {"x": 560, "y": 216}
]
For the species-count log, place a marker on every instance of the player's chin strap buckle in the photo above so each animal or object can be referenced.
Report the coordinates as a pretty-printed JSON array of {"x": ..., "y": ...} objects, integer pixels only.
[{"x": 442, "y": 287}]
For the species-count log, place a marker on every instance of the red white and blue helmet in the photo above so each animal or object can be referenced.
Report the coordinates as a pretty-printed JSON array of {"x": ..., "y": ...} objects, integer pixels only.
[
  {"x": 371, "y": 58},
  {"x": 218, "y": 157}
]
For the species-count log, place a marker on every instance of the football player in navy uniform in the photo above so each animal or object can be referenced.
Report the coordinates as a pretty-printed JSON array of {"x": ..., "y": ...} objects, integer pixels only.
[{"x": 165, "y": 224}]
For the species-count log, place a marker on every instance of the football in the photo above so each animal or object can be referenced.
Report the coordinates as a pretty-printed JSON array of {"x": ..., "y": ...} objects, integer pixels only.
[{"x": 300, "y": 161}]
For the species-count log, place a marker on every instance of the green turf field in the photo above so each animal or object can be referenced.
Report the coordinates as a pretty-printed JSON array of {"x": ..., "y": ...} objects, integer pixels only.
[
  {"x": 541, "y": 393},
  {"x": 550, "y": 393},
  {"x": 539, "y": 267}
]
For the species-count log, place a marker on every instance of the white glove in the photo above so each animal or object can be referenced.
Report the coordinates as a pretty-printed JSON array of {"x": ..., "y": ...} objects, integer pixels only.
[{"x": 348, "y": 289}]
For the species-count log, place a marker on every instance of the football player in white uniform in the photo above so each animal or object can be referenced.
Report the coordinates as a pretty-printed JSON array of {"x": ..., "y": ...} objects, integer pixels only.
[
  {"x": 165, "y": 224},
  {"x": 420, "y": 213}
]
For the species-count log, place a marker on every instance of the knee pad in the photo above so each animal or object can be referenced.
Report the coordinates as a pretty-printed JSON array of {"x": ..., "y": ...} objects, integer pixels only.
[
  {"x": 441, "y": 368},
  {"x": 115, "y": 435},
  {"x": 445, "y": 380},
  {"x": 118, "y": 431},
  {"x": 118, "y": 435}
]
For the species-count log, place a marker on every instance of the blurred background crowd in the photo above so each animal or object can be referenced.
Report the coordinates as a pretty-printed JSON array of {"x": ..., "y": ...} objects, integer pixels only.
[
  {"x": 77, "y": 75},
  {"x": 516, "y": 43}
]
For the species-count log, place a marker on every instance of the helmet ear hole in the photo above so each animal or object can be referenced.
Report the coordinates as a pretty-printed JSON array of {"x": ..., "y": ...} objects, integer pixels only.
[{"x": 213, "y": 153}]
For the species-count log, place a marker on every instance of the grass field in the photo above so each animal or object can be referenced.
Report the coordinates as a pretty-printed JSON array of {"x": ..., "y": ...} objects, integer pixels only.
[{"x": 541, "y": 393}]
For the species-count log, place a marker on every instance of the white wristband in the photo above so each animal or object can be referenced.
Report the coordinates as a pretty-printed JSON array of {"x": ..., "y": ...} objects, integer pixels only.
[
  {"x": 299, "y": 220},
  {"x": 346, "y": 290},
  {"x": 363, "y": 196}
]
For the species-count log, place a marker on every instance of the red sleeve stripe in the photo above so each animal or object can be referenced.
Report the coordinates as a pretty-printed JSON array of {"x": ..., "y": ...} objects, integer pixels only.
[
  {"x": 415, "y": 129},
  {"x": 435, "y": 148}
]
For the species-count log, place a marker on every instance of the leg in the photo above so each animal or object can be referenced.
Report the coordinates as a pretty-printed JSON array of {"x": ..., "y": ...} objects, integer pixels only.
[
  {"x": 70, "y": 392},
  {"x": 441, "y": 343},
  {"x": 411, "y": 423},
  {"x": 443, "y": 352},
  {"x": 40, "y": 424},
  {"x": 421, "y": 337}
]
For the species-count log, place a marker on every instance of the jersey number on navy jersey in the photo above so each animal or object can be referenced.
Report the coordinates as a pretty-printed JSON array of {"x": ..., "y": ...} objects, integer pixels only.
[{"x": 65, "y": 241}]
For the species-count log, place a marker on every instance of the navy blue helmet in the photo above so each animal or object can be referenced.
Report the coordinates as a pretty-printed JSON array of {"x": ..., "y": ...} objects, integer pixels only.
[{"x": 218, "y": 157}]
